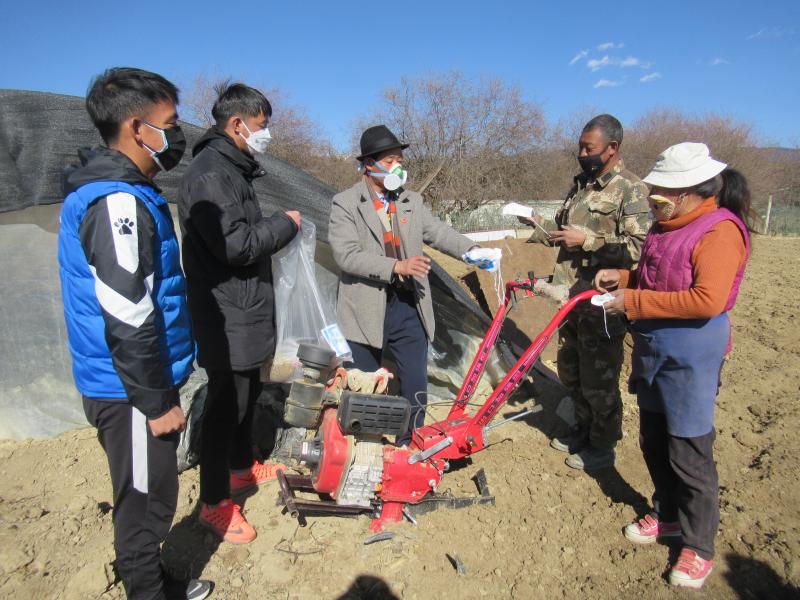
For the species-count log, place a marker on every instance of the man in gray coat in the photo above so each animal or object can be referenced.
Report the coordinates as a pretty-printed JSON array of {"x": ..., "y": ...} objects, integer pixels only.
[{"x": 376, "y": 232}]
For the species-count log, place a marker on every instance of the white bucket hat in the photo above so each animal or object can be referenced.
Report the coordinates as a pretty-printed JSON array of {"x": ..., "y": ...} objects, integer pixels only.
[{"x": 684, "y": 165}]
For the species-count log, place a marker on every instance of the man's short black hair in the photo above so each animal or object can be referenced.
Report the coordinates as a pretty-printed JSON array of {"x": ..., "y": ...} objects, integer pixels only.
[
  {"x": 239, "y": 99},
  {"x": 609, "y": 126},
  {"x": 123, "y": 92}
]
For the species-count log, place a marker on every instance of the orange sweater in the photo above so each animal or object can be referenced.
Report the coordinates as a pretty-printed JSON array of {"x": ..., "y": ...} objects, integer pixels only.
[{"x": 715, "y": 261}]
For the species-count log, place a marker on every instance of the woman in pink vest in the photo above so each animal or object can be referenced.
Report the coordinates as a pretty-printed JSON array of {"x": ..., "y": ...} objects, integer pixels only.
[{"x": 677, "y": 301}]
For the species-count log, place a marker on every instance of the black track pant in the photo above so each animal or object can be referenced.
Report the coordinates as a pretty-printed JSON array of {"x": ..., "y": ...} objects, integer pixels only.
[
  {"x": 684, "y": 475},
  {"x": 144, "y": 478},
  {"x": 227, "y": 438}
]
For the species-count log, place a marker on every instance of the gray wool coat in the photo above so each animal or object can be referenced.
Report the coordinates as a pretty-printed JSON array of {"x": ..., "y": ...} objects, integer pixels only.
[{"x": 355, "y": 234}]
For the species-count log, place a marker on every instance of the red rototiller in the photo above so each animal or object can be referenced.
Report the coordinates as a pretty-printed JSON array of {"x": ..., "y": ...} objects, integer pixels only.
[{"x": 350, "y": 459}]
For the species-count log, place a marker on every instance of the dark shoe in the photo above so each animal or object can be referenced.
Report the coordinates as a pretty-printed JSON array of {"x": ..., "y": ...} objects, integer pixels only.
[
  {"x": 575, "y": 441},
  {"x": 591, "y": 458},
  {"x": 192, "y": 589}
]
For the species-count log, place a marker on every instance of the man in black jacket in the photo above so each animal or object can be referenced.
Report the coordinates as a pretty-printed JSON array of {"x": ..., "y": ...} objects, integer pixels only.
[{"x": 227, "y": 249}]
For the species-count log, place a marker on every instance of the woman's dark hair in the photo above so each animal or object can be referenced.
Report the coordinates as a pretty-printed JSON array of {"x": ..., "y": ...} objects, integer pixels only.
[
  {"x": 123, "y": 92},
  {"x": 239, "y": 99},
  {"x": 732, "y": 192}
]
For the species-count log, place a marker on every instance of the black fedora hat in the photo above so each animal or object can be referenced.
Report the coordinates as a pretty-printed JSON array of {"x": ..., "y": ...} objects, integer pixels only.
[{"x": 377, "y": 139}]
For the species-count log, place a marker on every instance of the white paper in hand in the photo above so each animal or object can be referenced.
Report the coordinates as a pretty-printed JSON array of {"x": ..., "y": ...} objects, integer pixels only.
[
  {"x": 518, "y": 210},
  {"x": 601, "y": 299}
]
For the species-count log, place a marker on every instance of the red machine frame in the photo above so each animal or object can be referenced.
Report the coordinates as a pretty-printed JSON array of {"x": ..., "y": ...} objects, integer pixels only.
[
  {"x": 459, "y": 434},
  {"x": 411, "y": 472}
]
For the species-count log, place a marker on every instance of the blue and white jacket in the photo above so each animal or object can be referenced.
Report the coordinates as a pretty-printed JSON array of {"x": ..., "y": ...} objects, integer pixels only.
[{"x": 123, "y": 289}]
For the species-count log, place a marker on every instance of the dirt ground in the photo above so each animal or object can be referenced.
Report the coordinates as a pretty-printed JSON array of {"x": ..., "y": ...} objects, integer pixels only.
[{"x": 553, "y": 533}]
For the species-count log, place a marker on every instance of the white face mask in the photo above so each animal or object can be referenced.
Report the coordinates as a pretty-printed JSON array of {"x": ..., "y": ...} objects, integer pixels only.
[
  {"x": 257, "y": 140},
  {"x": 393, "y": 179}
]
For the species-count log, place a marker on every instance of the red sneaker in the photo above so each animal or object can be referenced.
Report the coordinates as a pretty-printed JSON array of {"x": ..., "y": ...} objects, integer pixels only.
[
  {"x": 650, "y": 529},
  {"x": 227, "y": 521},
  {"x": 259, "y": 473},
  {"x": 690, "y": 570}
]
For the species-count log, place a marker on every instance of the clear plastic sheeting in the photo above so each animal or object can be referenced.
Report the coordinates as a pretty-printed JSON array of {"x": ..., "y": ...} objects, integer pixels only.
[{"x": 37, "y": 395}]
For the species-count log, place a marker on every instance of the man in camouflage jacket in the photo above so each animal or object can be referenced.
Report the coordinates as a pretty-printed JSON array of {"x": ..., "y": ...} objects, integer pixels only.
[{"x": 602, "y": 224}]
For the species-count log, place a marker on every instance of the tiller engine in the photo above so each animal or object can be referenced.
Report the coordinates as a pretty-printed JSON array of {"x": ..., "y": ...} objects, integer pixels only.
[{"x": 351, "y": 460}]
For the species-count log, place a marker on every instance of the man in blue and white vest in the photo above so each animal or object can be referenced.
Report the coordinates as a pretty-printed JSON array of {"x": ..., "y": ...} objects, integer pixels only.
[{"x": 127, "y": 320}]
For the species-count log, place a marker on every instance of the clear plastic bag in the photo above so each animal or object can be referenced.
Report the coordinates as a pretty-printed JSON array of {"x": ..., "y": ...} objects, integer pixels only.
[{"x": 304, "y": 313}]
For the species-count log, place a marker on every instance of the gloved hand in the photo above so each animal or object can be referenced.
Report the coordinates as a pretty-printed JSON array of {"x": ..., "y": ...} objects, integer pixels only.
[
  {"x": 559, "y": 293},
  {"x": 382, "y": 377},
  {"x": 339, "y": 380},
  {"x": 374, "y": 382},
  {"x": 487, "y": 259}
]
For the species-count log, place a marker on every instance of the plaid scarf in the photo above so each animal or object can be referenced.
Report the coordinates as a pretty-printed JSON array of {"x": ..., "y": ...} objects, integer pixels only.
[{"x": 387, "y": 214}]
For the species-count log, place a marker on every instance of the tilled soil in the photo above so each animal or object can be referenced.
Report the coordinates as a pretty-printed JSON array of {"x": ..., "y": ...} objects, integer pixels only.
[{"x": 553, "y": 532}]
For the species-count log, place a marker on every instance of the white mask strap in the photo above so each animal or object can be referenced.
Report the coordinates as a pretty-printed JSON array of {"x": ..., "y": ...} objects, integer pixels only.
[{"x": 601, "y": 300}]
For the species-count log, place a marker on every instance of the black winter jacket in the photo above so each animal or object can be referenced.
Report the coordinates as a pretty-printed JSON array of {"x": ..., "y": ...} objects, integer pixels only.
[{"x": 227, "y": 250}]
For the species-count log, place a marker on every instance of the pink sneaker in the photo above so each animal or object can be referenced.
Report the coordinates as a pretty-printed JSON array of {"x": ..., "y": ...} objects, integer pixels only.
[
  {"x": 690, "y": 570},
  {"x": 650, "y": 529},
  {"x": 259, "y": 473}
]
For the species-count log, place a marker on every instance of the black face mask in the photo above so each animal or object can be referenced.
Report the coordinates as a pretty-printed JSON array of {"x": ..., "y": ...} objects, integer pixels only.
[
  {"x": 593, "y": 163},
  {"x": 172, "y": 149}
]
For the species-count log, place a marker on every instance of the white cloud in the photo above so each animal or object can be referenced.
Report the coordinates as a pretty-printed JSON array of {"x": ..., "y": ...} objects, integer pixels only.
[
  {"x": 650, "y": 77},
  {"x": 598, "y": 63},
  {"x": 608, "y": 83},
  {"x": 579, "y": 56},
  {"x": 632, "y": 61},
  {"x": 770, "y": 33},
  {"x": 609, "y": 46},
  {"x": 595, "y": 64},
  {"x": 718, "y": 61}
]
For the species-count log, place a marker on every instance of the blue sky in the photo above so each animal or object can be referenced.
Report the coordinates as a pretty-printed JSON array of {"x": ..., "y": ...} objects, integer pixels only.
[{"x": 740, "y": 58}]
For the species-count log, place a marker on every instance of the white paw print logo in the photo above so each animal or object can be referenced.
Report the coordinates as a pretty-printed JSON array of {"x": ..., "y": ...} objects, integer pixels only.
[{"x": 124, "y": 226}]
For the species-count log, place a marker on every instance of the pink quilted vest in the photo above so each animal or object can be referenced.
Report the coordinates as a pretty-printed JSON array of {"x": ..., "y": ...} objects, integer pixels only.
[{"x": 666, "y": 264}]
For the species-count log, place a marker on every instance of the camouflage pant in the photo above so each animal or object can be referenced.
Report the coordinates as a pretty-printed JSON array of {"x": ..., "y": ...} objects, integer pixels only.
[{"x": 589, "y": 364}]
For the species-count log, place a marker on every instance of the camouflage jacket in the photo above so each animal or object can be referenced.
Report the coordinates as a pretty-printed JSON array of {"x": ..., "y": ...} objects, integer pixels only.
[{"x": 612, "y": 211}]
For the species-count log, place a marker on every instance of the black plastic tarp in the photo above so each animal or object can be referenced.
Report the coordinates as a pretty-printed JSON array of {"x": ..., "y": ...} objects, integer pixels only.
[{"x": 40, "y": 133}]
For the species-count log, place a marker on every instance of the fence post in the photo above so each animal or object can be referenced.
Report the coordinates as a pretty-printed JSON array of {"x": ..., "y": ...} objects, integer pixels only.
[{"x": 769, "y": 211}]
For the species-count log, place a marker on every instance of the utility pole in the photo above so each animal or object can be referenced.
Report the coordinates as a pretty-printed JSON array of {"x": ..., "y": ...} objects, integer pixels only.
[{"x": 769, "y": 211}]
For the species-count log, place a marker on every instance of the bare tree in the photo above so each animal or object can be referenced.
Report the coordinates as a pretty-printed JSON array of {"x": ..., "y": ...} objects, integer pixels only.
[
  {"x": 466, "y": 130},
  {"x": 197, "y": 100}
]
